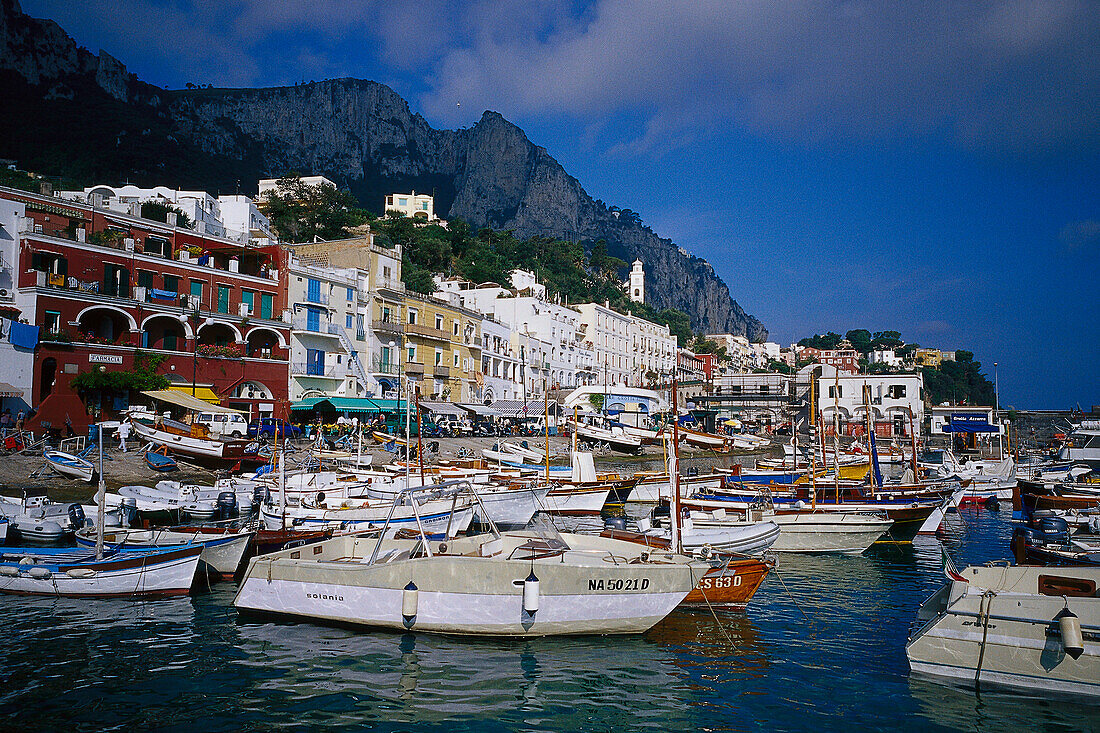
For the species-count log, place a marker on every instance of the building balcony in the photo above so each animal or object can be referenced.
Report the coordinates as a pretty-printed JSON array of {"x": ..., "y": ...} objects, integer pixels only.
[
  {"x": 415, "y": 367},
  {"x": 387, "y": 325},
  {"x": 301, "y": 369},
  {"x": 321, "y": 329},
  {"x": 386, "y": 367},
  {"x": 442, "y": 372},
  {"x": 416, "y": 329},
  {"x": 316, "y": 299}
]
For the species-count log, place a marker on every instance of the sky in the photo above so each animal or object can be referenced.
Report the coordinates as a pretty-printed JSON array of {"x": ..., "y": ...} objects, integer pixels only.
[{"x": 926, "y": 167}]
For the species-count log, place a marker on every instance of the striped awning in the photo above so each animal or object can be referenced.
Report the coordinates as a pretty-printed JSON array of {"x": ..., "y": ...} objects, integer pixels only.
[{"x": 7, "y": 390}]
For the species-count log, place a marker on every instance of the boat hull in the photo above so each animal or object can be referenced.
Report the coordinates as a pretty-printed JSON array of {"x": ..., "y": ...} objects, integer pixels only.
[
  {"x": 124, "y": 575},
  {"x": 1005, "y": 635}
]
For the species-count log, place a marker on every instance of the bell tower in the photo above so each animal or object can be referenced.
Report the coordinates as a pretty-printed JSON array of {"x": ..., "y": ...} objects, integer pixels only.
[{"x": 637, "y": 282}]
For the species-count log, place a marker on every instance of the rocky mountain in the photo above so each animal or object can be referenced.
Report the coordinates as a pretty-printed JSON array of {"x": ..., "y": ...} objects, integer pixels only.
[{"x": 84, "y": 116}]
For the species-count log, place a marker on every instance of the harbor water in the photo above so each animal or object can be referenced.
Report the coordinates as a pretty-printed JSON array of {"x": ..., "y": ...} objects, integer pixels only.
[{"x": 821, "y": 647}]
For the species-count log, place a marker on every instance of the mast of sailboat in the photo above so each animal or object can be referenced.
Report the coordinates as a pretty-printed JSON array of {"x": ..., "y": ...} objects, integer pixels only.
[
  {"x": 870, "y": 427},
  {"x": 913, "y": 435},
  {"x": 101, "y": 497},
  {"x": 573, "y": 447},
  {"x": 813, "y": 447},
  {"x": 836, "y": 433},
  {"x": 419, "y": 439},
  {"x": 282, "y": 479},
  {"x": 408, "y": 429},
  {"x": 674, "y": 475},
  {"x": 546, "y": 424}
]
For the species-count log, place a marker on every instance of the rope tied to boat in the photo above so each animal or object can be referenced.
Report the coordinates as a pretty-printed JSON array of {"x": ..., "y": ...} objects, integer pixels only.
[{"x": 983, "y": 617}]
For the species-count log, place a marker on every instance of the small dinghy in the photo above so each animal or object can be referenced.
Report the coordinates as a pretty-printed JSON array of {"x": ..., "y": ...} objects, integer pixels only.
[
  {"x": 159, "y": 460},
  {"x": 70, "y": 465}
]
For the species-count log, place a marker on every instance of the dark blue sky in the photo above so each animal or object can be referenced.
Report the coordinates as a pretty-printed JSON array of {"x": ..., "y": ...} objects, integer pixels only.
[{"x": 925, "y": 167}]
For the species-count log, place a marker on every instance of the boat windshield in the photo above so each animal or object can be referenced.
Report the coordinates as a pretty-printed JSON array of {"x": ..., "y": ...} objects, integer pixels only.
[{"x": 545, "y": 530}]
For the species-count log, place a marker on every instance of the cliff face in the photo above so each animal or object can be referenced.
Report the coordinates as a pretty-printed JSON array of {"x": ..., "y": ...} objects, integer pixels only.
[{"x": 358, "y": 133}]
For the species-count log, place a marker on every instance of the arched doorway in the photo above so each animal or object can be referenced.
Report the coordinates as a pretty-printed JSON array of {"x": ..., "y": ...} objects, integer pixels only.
[{"x": 47, "y": 378}]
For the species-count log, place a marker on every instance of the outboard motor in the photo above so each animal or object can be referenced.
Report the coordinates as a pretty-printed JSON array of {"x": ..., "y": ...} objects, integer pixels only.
[
  {"x": 1055, "y": 530},
  {"x": 1022, "y": 537},
  {"x": 260, "y": 496},
  {"x": 128, "y": 511},
  {"x": 76, "y": 517},
  {"x": 227, "y": 505},
  {"x": 615, "y": 523}
]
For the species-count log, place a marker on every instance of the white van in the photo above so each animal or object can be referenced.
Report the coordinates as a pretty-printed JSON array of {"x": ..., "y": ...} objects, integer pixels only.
[{"x": 223, "y": 424}]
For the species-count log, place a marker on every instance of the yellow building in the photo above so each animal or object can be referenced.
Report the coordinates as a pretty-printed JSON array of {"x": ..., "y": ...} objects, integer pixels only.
[
  {"x": 442, "y": 349},
  {"x": 928, "y": 357}
]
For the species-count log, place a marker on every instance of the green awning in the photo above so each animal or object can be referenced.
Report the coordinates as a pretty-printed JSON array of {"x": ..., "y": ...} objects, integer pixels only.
[{"x": 349, "y": 404}]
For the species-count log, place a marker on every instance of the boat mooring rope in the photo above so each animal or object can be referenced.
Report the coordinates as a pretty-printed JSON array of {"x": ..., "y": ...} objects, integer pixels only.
[{"x": 775, "y": 570}]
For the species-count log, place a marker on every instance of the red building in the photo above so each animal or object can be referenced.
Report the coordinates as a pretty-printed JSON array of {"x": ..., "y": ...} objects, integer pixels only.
[
  {"x": 843, "y": 359},
  {"x": 710, "y": 362},
  {"x": 103, "y": 285}
]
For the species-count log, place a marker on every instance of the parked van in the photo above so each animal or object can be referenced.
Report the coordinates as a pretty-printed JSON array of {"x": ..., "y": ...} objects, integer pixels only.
[{"x": 223, "y": 424}]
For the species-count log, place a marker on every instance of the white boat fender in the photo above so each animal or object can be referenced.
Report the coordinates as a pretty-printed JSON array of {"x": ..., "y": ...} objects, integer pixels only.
[
  {"x": 27, "y": 560},
  {"x": 409, "y": 601},
  {"x": 531, "y": 594},
  {"x": 1072, "y": 639},
  {"x": 44, "y": 574},
  {"x": 80, "y": 573},
  {"x": 9, "y": 571}
]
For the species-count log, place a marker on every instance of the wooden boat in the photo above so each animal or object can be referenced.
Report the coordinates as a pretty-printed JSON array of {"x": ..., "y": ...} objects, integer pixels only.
[
  {"x": 190, "y": 440},
  {"x": 1038, "y": 495},
  {"x": 70, "y": 465},
  {"x": 617, "y": 438},
  {"x": 221, "y": 554},
  {"x": 492, "y": 584},
  {"x": 730, "y": 583},
  {"x": 708, "y": 441},
  {"x": 159, "y": 460},
  {"x": 75, "y": 572}
]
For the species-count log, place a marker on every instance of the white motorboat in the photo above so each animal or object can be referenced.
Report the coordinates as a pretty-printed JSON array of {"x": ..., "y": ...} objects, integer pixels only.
[
  {"x": 37, "y": 519},
  {"x": 802, "y": 531},
  {"x": 221, "y": 553},
  {"x": 525, "y": 453},
  {"x": 1027, "y": 627},
  {"x": 653, "y": 487},
  {"x": 511, "y": 506},
  {"x": 146, "y": 500},
  {"x": 356, "y": 514},
  {"x": 1083, "y": 445},
  {"x": 576, "y": 499},
  {"x": 529, "y": 583},
  {"x": 616, "y": 437},
  {"x": 752, "y": 538},
  {"x": 70, "y": 465},
  {"x": 76, "y": 572}
]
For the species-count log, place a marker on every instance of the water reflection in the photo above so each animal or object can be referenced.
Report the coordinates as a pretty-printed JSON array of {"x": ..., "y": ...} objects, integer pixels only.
[
  {"x": 999, "y": 709},
  {"x": 425, "y": 679}
]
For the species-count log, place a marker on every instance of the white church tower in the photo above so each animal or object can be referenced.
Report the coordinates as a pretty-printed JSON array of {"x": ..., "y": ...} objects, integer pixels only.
[{"x": 637, "y": 282}]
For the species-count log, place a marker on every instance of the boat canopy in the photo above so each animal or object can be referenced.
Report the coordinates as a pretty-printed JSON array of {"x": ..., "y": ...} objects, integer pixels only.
[
  {"x": 186, "y": 401},
  {"x": 969, "y": 427},
  {"x": 203, "y": 393}
]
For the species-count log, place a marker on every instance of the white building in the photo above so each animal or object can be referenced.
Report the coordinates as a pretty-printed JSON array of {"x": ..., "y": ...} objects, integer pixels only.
[
  {"x": 738, "y": 349},
  {"x": 16, "y": 363},
  {"x": 241, "y": 217},
  {"x": 201, "y": 208},
  {"x": 887, "y": 357},
  {"x": 608, "y": 334},
  {"x": 500, "y": 364},
  {"x": 326, "y": 315},
  {"x": 272, "y": 184},
  {"x": 652, "y": 350},
  {"x": 893, "y": 399},
  {"x": 545, "y": 334},
  {"x": 414, "y": 205}
]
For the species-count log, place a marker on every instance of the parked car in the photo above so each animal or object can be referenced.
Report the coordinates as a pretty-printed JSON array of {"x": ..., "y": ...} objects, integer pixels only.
[
  {"x": 223, "y": 424},
  {"x": 273, "y": 427},
  {"x": 454, "y": 425}
]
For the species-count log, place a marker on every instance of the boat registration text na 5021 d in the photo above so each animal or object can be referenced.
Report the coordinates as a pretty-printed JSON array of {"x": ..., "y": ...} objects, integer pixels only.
[{"x": 618, "y": 584}]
